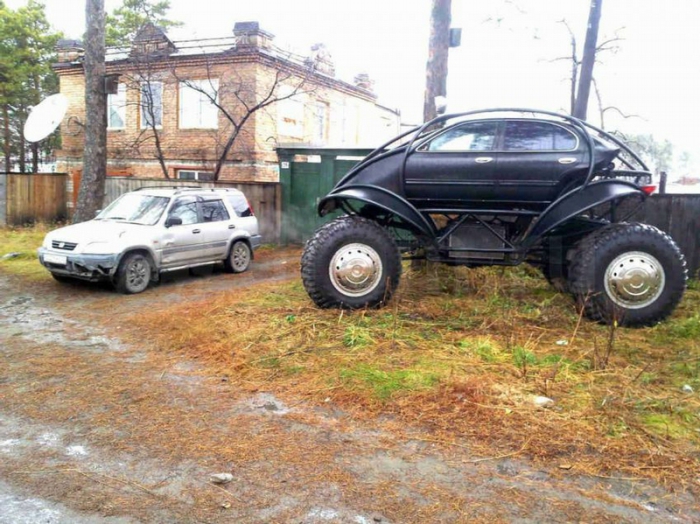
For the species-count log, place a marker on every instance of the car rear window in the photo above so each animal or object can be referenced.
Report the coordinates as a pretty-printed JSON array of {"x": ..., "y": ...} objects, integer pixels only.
[
  {"x": 240, "y": 205},
  {"x": 537, "y": 136},
  {"x": 214, "y": 211}
]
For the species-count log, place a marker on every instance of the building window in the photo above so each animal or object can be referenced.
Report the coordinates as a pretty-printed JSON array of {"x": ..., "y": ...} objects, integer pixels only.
[
  {"x": 320, "y": 122},
  {"x": 151, "y": 105},
  {"x": 116, "y": 108},
  {"x": 290, "y": 114},
  {"x": 197, "y": 111},
  {"x": 191, "y": 174}
]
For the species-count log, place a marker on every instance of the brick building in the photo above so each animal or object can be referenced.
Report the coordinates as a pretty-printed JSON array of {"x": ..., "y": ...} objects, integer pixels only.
[{"x": 163, "y": 114}]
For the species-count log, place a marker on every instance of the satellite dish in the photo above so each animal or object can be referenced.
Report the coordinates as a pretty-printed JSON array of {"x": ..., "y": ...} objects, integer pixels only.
[{"x": 45, "y": 118}]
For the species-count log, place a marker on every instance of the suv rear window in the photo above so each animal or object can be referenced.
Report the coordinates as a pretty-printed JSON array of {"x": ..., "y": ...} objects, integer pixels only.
[
  {"x": 537, "y": 136},
  {"x": 214, "y": 211},
  {"x": 240, "y": 205}
]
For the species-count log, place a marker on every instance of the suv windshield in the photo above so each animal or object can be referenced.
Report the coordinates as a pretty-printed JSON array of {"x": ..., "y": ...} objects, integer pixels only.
[{"x": 137, "y": 209}]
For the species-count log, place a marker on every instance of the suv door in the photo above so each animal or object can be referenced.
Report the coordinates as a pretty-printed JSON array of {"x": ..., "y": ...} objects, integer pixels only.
[
  {"x": 534, "y": 157},
  {"x": 456, "y": 165},
  {"x": 216, "y": 226},
  {"x": 184, "y": 244}
]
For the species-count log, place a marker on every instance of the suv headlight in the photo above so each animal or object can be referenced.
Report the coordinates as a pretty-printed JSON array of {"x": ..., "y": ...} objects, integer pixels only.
[{"x": 99, "y": 248}]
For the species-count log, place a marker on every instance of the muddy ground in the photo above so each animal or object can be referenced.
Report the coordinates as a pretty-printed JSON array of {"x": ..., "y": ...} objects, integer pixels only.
[{"x": 96, "y": 425}]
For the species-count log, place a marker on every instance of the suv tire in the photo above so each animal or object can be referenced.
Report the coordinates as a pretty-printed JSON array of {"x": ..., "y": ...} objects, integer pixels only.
[
  {"x": 133, "y": 274},
  {"x": 633, "y": 274},
  {"x": 239, "y": 257},
  {"x": 351, "y": 262}
]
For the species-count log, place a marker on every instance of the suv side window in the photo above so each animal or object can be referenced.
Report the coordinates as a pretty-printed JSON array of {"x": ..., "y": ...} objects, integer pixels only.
[
  {"x": 214, "y": 211},
  {"x": 537, "y": 136},
  {"x": 240, "y": 205},
  {"x": 472, "y": 136},
  {"x": 186, "y": 209}
]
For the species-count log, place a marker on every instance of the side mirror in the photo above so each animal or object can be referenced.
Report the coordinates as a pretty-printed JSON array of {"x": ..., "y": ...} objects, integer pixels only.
[{"x": 173, "y": 221}]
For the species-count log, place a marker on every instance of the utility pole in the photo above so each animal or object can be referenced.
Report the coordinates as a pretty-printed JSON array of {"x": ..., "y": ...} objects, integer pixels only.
[
  {"x": 438, "y": 50},
  {"x": 588, "y": 61},
  {"x": 92, "y": 183}
]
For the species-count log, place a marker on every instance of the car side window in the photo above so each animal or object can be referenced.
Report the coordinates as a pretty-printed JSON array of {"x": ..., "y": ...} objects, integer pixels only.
[
  {"x": 537, "y": 136},
  {"x": 214, "y": 211},
  {"x": 240, "y": 205},
  {"x": 473, "y": 136},
  {"x": 185, "y": 209}
]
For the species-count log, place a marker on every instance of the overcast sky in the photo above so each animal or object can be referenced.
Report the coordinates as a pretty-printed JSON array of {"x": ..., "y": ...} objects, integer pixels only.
[{"x": 505, "y": 58}]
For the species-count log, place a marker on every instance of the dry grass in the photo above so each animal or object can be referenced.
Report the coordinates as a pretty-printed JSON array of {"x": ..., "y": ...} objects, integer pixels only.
[
  {"x": 461, "y": 353},
  {"x": 23, "y": 241}
]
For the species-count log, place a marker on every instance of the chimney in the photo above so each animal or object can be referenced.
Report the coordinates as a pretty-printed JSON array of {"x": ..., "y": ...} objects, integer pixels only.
[
  {"x": 69, "y": 50},
  {"x": 363, "y": 81},
  {"x": 249, "y": 34}
]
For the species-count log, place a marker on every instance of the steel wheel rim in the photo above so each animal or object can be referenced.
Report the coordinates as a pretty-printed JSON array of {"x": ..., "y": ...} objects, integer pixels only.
[
  {"x": 240, "y": 256},
  {"x": 137, "y": 274},
  {"x": 355, "y": 270},
  {"x": 634, "y": 280}
]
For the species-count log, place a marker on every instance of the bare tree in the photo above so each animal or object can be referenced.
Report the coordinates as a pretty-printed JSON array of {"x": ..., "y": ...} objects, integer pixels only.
[
  {"x": 438, "y": 51},
  {"x": 240, "y": 98},
  {"x": 92, "y": 184},
  {"x": 590, "y": 48}
]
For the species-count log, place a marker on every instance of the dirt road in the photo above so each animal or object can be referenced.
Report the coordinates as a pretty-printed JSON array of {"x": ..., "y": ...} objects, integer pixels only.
[{"x": 97, "y": 427}]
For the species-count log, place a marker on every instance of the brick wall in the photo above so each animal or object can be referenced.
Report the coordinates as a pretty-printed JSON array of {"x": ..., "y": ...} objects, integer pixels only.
[{"x": 252, "y": 158}]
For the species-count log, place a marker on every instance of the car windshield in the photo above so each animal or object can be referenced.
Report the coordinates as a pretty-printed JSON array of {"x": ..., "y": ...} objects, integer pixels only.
[{"x": 136, "y": 209}]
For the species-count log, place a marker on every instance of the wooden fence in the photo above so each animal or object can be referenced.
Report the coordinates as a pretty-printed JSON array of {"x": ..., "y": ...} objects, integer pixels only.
[
  {"x": 679, "y": 216},
  {"x": 264, "y": 197},
  {"x": 28, "y": 198}
]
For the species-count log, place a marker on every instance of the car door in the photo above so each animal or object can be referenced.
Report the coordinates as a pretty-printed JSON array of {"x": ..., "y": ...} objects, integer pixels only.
[
  {"x": 534, "y": 157},
  {"x": 183, "y": 244},
  {"x": 216, "y": 227},
  {"x": 456, "y": 165}
]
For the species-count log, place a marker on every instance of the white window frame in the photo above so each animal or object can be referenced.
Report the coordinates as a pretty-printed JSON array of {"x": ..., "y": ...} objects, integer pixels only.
[
  {"x": 117, "y": 104},
  {"x": 144, "y": 105},
  {"x": 320, "y": 111},
  {"x": 205, "y": 115},
  {"x": 197, "y": 174},
  {"x": 290, "y": 113}
]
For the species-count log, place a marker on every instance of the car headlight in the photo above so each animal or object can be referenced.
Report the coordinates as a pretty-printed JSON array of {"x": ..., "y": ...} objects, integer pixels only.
[
  {"x": 99, "y": 248},
  {"x": 47, "y": 242}
]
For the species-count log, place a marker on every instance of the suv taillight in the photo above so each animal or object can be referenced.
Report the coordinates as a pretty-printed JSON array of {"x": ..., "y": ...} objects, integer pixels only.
[
  {"x": 649, "y": 189},
  {"x": 252, "y": 212}
]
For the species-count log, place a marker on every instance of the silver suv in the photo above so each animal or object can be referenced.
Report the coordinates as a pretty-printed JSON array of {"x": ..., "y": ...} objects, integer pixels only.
[{"x": 153, "y": 230}]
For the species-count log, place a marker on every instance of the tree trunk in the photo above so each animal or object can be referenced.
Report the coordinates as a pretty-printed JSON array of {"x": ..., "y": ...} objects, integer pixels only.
[
  {"x": 92, "y": 184},
  {"x": 588, "y": 61},
  {"x": 22, "y": 150},
  {"x": 35, "y": 157},
  {"x": 6, "y": 136},
  {"x": 438, "y": 51}
]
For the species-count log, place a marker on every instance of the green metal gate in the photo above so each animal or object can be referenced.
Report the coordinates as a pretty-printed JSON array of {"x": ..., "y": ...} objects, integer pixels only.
[{"x": 307, "y": 175}]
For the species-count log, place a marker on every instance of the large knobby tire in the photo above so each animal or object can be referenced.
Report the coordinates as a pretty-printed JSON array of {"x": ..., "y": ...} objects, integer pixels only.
[
  {"x": 239, "y": 257},
  {"x": 133, "y": 274},
  {"x": 633, "y": 274},
  {"x": 351, "y": 262}
]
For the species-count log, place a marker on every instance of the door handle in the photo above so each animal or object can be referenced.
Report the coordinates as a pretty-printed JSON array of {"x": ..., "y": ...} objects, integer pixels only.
[
  {"x": 483, "y": 159},
  {"x": 567, "y": 160},
  {"x": 232, "y": 226},
  {"x": 195, "y": 231}
]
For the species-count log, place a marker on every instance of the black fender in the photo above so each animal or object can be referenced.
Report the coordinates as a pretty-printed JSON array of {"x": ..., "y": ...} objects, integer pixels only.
[
  {"x": 576, "y": 202},
  {"x": 381, "y": 198}
]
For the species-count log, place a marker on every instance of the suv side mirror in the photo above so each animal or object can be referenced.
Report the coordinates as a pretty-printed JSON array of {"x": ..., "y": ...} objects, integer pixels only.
[{"x": 173, "y": 221}]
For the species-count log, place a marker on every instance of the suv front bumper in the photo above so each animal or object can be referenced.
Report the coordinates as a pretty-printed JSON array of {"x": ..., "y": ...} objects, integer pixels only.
[{"x": 85, "y": 267}]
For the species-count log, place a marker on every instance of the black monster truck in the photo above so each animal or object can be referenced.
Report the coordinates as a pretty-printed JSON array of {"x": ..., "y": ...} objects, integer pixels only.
[{"x": 499, "y": 187}]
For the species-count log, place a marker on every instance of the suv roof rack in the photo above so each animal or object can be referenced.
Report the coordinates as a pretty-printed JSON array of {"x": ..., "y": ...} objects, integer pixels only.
[{"x": 165, "y": 187}]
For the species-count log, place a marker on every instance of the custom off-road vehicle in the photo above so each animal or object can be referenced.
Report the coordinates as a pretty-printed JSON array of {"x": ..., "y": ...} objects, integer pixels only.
[{"x": 499, "y": 187}]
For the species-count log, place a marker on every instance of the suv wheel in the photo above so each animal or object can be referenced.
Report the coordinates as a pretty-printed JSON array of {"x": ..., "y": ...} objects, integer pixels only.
[
  {"x": 630, "y": 273},
  {"x": 239, "y": 258},
  {"x": 133, "y": 274},
  {"x": 351, "y": 262}
]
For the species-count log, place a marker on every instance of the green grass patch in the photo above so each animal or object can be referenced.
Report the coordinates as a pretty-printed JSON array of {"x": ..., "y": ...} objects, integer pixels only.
[
  {"x": 23, "y": 242},
  {"x": 385, "y": 384}
]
